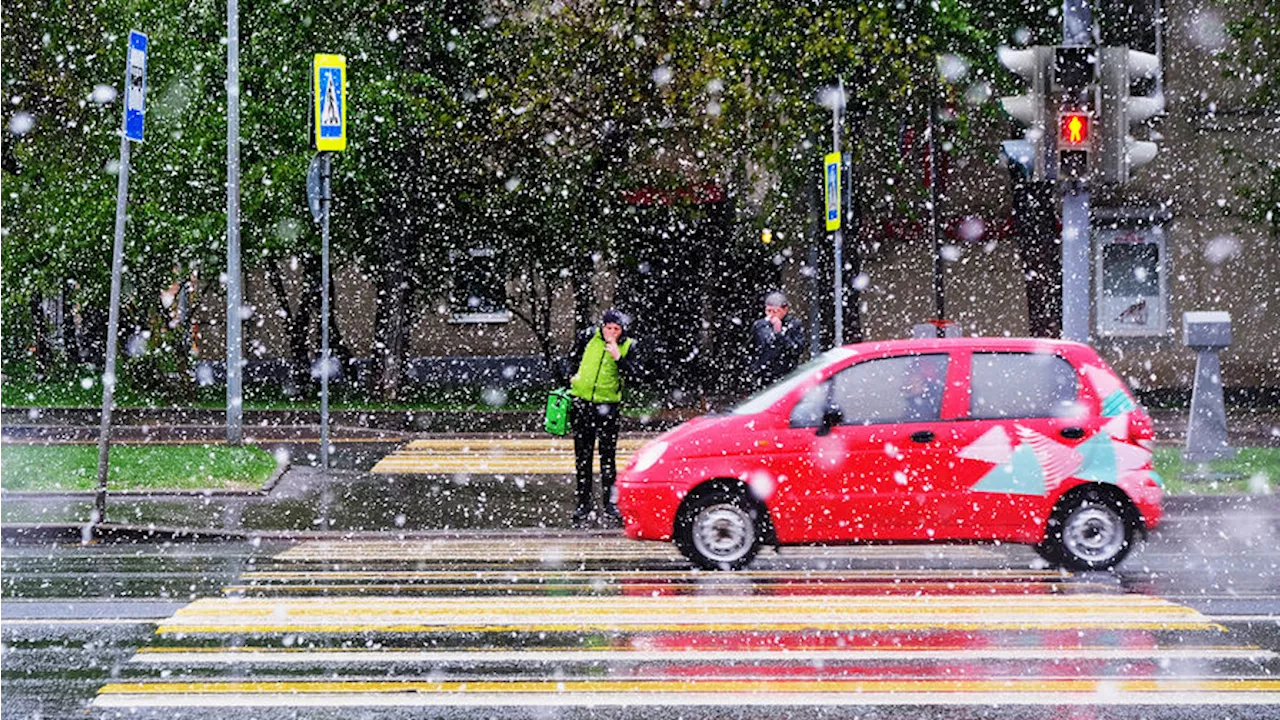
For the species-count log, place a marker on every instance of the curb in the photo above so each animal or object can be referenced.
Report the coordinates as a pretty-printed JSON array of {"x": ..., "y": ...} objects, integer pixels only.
[
  {"x": 419, "y": 421},
  {"x": 36, "y": 533}
]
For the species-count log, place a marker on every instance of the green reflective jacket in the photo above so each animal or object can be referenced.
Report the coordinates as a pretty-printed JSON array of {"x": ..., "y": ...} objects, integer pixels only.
[{"x": 598, "y": 378}]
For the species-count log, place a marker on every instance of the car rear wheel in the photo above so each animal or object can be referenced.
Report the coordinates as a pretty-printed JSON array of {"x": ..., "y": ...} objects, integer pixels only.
[
  {"x": 719, "y": 531},
  {"x": 1090, "y": 532}
]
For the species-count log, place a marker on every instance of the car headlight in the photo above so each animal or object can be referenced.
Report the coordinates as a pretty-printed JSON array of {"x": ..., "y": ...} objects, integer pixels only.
[{"x": 649, "y": 455}]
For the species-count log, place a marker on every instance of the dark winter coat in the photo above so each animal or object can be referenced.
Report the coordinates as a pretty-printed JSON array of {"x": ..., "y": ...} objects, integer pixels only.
[{"x": 776, "y": 354}]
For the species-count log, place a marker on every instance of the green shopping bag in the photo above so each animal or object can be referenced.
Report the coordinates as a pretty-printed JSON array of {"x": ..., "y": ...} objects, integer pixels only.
[{"x": 558, "y": 411}]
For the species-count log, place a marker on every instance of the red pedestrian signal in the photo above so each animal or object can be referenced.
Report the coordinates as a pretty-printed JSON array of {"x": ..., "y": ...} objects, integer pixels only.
[{"x": 1073, "y": 129}]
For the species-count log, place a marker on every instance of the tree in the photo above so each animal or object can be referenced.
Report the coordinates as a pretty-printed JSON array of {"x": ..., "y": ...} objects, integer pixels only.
[{"x": 1254, "y": 59}]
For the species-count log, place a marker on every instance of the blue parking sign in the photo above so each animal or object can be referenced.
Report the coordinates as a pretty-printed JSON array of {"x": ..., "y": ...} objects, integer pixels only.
[{"x": 135, "y": 86}]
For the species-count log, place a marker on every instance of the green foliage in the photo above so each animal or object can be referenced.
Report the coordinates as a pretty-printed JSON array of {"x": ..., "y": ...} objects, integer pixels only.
[
  {"x": 1255, "y": 59},
  {"x": 517, "y": 125}
]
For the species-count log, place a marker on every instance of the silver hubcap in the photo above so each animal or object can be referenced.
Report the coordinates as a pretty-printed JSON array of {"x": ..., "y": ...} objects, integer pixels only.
[
  {"x": 723, "y": 533},
  {"x": 1094, "y": 533}
]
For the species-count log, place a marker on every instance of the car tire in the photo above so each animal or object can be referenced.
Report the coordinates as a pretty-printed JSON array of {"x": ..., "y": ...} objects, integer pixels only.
[
  {"x": 719, "y": 531},
  {"x": 1049, "y": 551},
  {"x": 1091, "y": 531}
]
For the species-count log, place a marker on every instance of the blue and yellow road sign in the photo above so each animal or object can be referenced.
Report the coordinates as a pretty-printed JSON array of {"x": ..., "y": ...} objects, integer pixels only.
[
  {"x": 330, "y": 107},
  {"x": 832, "y": 185}
]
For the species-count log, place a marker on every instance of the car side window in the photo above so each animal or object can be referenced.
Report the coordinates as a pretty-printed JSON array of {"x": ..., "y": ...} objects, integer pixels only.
[
  {"x": 1021, "y": 385},
  {"x": 808, "y": 412},
  {"x": 908, "y": 388}
]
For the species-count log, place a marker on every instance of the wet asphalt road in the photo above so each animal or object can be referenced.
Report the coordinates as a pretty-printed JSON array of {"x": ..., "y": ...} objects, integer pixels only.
[{"x": 549, "y": 624}]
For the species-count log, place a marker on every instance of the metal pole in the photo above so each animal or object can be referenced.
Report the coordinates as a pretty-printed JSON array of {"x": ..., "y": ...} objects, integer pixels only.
[
  {"x": 837, "y": 280},
  {"x": 113, "y": 330},
  {"x": 1075, "y": 263},
  {"x": 939, "y": 305},
  {"x": 1077, "y": 29},
  {"x": 235, "y": 397},
  {"x": 325, "y": 204},
  {"x": 812, "y": 284}
]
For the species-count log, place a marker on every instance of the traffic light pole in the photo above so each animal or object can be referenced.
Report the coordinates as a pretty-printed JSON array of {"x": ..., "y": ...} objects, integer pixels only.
[
  {"x": 1077, "y": 30},
  {"x": 1075, "y": 262}
]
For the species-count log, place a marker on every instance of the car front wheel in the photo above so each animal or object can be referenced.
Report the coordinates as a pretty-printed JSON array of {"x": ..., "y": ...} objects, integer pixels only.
[
  {"x": 1091, "y": 532},
  {"x": 719, "y": 531}
]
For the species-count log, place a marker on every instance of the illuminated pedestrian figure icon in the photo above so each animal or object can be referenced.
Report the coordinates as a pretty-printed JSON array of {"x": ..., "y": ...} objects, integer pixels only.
[
  {"x": 330, "y": 114},
  {"x": 1073, "y": 126}
]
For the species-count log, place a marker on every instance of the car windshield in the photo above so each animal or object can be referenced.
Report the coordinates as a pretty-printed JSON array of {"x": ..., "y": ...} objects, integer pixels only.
[{"x": 770, "y": 395}]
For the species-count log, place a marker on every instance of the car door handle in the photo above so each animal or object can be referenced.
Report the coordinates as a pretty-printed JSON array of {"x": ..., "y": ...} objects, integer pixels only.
[
  {"x": 922, "y": 436},
  {"x": 1072, "y": 433}
]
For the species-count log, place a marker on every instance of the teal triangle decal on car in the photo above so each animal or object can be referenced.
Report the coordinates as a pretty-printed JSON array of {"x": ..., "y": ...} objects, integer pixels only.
[
  {"x": 1099, "y": 459},
  {"x": 1117, "y": 403},
  {"x": 1022, "y": 475}
]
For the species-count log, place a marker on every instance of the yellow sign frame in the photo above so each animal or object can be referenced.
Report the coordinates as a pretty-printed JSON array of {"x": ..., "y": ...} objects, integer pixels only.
[{"x": 325, "y": 139}]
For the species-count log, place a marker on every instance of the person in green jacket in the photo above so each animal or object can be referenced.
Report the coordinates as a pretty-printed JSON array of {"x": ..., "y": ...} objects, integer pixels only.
[{"x": 605, "y": 359}]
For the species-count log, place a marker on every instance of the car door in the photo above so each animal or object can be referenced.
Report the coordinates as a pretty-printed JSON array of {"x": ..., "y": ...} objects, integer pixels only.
[
  {"x": 1027, "y": 412},
  {"x": 863, "y": 448}
]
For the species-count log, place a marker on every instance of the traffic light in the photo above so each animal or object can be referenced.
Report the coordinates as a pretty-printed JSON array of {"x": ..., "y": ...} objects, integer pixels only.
[
  {"x": 1032, "y": 65},
  {"x": 1074, "y": 73},
  {"x": 1075, "y": 140},
  {"x": 1120, "y": 153}
]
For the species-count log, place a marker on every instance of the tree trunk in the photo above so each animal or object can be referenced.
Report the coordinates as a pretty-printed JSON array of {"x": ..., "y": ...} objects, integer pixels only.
[
  {"x": 297, "y": 325},
  {"x": 337, "y": 348},
  {"x": 1035, "y": 226},
  {"x": 39, "y": 334},
  {"x": 391, "y": 320}
]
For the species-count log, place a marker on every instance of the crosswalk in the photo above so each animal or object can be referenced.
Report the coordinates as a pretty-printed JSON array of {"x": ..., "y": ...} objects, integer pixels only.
[
  {"x": 493, "y": 456},
  {"x": 518, "y": 622}
]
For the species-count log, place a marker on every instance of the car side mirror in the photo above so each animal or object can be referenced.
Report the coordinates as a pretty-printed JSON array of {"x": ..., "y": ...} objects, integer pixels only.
[{"x": 830, "y": 418}]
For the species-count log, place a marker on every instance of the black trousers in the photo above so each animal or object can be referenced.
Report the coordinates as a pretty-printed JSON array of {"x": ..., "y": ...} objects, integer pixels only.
[{"x": 594, "y": 422}]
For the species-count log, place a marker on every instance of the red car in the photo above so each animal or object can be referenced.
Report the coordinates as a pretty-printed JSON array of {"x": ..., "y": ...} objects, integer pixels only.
[{"x": 967, "y": 439}]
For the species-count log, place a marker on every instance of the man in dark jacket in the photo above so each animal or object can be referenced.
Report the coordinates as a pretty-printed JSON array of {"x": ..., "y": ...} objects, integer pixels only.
[
  {"x": 605, "y": 360},
  {"x": 778, "y": 339}
]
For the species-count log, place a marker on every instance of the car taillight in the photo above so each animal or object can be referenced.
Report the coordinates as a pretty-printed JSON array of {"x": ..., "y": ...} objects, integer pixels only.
[{"x": 1141, "y": 429}]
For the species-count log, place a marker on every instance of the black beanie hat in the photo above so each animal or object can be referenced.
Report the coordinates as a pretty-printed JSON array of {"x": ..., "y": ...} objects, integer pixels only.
[{"x": 613, "y": 316}]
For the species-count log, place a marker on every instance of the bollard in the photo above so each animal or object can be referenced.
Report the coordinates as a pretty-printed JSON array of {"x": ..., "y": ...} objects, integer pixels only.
[{"x": 1207, "y": 333}]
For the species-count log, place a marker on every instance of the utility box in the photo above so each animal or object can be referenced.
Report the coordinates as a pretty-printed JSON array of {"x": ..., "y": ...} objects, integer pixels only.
[
  {"x": 1207, "y": 333},
  {"x": 1204, "y": 330}
]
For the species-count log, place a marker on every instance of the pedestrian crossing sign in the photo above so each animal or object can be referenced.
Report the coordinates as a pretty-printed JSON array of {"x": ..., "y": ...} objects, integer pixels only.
[{"x": 330, "y": 106}]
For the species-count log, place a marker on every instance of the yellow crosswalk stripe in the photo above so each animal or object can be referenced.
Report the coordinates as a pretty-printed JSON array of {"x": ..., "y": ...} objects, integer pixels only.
[
  {"x": 674, "y": 612},
  {"x": 493, "y": 456},
  {"x": 571, "y": 548},
  {"x": 783, "y": 685},
  {"x": 790, "y": 654}
]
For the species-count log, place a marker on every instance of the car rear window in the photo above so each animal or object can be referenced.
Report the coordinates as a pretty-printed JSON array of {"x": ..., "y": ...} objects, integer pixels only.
[{"x": 1013, "y": 385}]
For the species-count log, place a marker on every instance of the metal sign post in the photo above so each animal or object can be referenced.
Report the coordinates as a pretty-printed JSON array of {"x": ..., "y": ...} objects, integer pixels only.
[
  {"x": 135, "y": 93},
  {"x": 330, "y": 111},
  {"x": 235, "y": 300}
]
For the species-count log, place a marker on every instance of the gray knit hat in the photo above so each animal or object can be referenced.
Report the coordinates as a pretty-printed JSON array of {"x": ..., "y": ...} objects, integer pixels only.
[{"x": 776, "y": 299}]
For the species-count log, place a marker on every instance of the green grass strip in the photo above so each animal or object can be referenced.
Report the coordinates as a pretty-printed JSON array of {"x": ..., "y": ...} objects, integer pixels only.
[
  {"x": 1252, "y": 471},
  {"x": 134, "y": 467}
]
